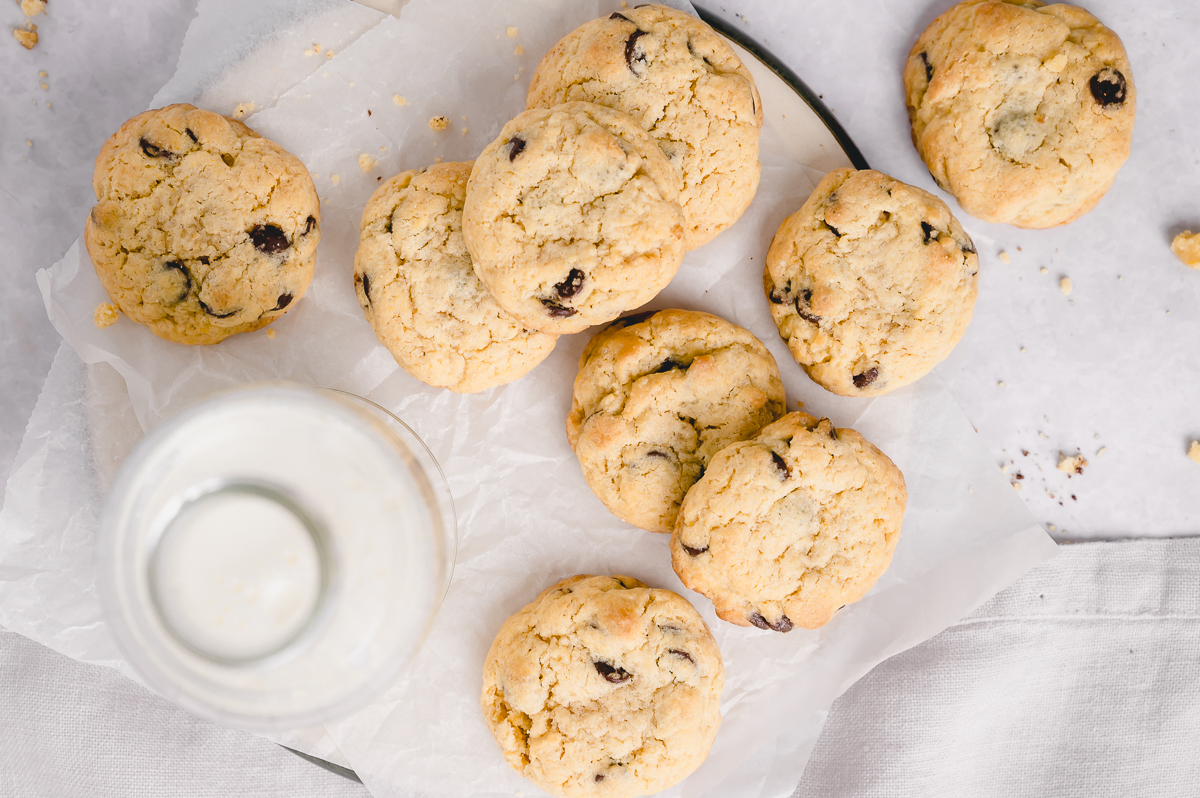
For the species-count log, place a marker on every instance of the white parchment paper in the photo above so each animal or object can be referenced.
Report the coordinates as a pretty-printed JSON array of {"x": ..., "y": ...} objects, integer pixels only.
[{"x": 526, "y": 516}]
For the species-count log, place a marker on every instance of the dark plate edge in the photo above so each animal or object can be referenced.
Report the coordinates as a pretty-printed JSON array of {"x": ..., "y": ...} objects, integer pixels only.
[
  {"x": 814, "y": 102},
  {"x": 789, "y": 77}
]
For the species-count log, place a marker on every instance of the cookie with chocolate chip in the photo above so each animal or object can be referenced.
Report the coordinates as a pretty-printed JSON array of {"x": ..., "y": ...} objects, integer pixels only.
[
  {"x": 871, "y": 283},
  {"x": 682, "y": 82},
  {"x": 1023, "y": 111},
  {"x": 418, "y": 290},
  {"x": 786, "y": 528},
  {"x": 657, "y": 397},
  {"x": 202, "y": 228},
  {"x": 604, "y": 687},
  {"x": 572, "y": 217}
]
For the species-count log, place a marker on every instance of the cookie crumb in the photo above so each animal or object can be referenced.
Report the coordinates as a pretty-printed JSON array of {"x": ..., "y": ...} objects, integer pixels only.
[
  {"x": 511, "y": 31},
  {"x": 439, "y": 123},
  {"x": 29, "y": 143},
  {"x": 1022, "y": 349},
  {"x": 329, "y": 53},
  {"x": 1051, "y": 527},
  {"x": 1016, "y": 485},
  {"x": 271, "y": 333},
  {"x": 1194, "y": 451},
  {"x": 464, "y": 130},
  {"x": 1065, "y": 286},
  {"x": 1073, "y": 464},
  {"x": 366, "y": 162},
  {"x": 310, "y": 52},
  {"x": 43, "y": 73},
  {"x": 1004, "y": 257},
  {"x": 106, "y": 315},
  {"x": 45, "y": 86},
  {"x": 1186, "y": 247},
  {"x": 335, "y": 179},
  {"x": 1044, "y": 270},
  {"x": 27, "y": 36},
  {"x": 1100, "y": 452},
  {"x": 1000, "y": 383},
  {"x": 398, "y": 100},
  {"x": 520, "y": 50},
  {"x": 243, "y": 109},
  {"x": 31, "y": 8}
]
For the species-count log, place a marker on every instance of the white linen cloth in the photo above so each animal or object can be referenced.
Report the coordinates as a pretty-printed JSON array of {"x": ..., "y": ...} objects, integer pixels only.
[{"x": 1082, "y": 679}]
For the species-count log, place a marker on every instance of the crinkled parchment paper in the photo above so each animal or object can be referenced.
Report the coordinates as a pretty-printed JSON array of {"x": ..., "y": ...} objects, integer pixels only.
[{"x": 526, "y": 517}]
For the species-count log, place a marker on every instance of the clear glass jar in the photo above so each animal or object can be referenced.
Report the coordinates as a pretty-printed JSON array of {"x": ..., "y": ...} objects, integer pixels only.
[{"x": 271, "y": 557}]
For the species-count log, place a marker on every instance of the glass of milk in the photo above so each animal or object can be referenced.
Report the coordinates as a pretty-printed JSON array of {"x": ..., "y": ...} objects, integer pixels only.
[{"x": 272, "y": 557}]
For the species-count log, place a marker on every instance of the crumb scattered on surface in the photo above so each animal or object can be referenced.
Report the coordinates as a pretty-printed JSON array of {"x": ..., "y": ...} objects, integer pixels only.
[
  {"x": 511, "y": 31},
  {"x": 27, "y": 36},
  {"x": 1004, "y": 257},
  {"x": 1194, "y": 451},
  {"x": 271, "y": 333},
  {"x": 243, "y": 109},
  {"x": 106, "y": 315},
  {"x": 29, "y": 143},
  {"x": 1004, "y": 468},
  {"x": 1000, "y": 383},
  {"x": 1051, "y": 527},
  {"x": 1016, "y": 486},
  {"x": 329, "y": 53},
  {"x": 398, "y": 100},
  {"x": 1071, "y": 464},
  {"x": 1100, "y": 452},
  {"x": 31, "y": 8},
  {"x": 520, "y": 50},
  {"x": 335, "y": 179},
  {"x": 464, "y": 131},
  {"x": 439, "y": 123},
  {"x": 1022, "y": 349},
  {"x": 1186, "y": 247},
  {"x": 1065, "y": 286},
  {"x": 366, "y": 162},
  {"x": 1044, "y": 270},
  {"x": 1042, "y": 434},
  {"x": 42, "y": 74},
  {"x": 45, "y": 86}
]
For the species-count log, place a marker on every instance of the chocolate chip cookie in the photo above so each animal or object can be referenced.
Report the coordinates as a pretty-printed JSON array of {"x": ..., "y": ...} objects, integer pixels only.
[
  {"x": 871, "y": 283},
  {"x": 417, "y": 288},
  {"x": 202, "y": 228},
  {"x": 680, "y": 80},
  {"x": 784, "y": 529},
  {"x": 572, "y": 218},
  {"x": 604, "y": 687},
  {"x": 657, "y": 397},
  {"x": 1023, "y": 111}
]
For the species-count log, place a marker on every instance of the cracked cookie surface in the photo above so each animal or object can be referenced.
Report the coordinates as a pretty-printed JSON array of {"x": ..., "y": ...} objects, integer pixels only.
[
  {"x": 656, "y": 398},
  {"x": 571, "y": 217},
  {"x": 417, "y": 287},
  {"x": 871, "y": 283},
  {"x": 784, "y": 529},
  {"x": 1023, "y": 111},
  {"x": 679, "y": 79},
  {"x": 604, "y": 687},
  {"x": 202, "y": 228}
]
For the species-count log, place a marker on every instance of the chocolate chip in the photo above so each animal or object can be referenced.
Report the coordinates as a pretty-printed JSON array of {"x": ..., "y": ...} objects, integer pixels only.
[
  {"x": 227, "y": 158},
  {"x": 671, "y": 629},
  {"x": 1108, "y": 87},
  {"x": 618, "y": 15},
  {"x": 187, "y": 278},
  {"x": 309, "y": 224},
  {"x": 784, "y": 624},
  {"x": 753, "y": 105},
  {"x": 284, "y": 300},
  {"x": 866, "y": 378},
  {"x": 668, "y": 365},
  {"x": 969, "y": 246},
  {"x": 777, "y": 297},
  {"x": 556, "y": 310},
  {"x": 781, "y": 465},
  {"x": 679, "y": 653},
  {"x": 269, "y": 238},
  {"x": 612, "y": 674},
  {"x": 833, "y": 432},
  {"x": 366, "y": 281},
  {"x": 214, "y": 314},
  {"x": 931, "y": 232},
  {"x": 570, "y": 286},
  {"x": 693, "y": 552},
  {"x": 804, "y": 309},
  {"x": 633, "y": 52},
  {"x": 158, "y": 152},
  {"x": 928, "y": 67},
  {"x": 657, "y": 453},
  {"x": 836, "y": 232},
  {"x": 203, "y": 259},
  {"x": 630, "y": 320},
  {"x": 939, "y": 183},
  {"x": 192, "y": 136},
  {"x": 600, "y": 776},
  {"x": 516, "y": 145}
]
